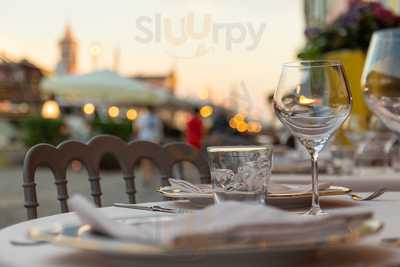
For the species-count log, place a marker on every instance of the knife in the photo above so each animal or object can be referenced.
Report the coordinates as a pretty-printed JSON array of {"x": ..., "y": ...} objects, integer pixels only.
[{"x": 149, "y": 208}]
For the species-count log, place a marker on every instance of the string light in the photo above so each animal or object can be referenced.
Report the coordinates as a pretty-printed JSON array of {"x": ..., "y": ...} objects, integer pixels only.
[
  {"x": 113, "y": 111},
  {"x": 242, "y": 127},
  {"x": 89, "y": 108},
  {"x": 206, "y": 111},
  {"x": 232, "y": 123},
  {"x": 50, "y": 110},
  {"x": 131, "y": 114}
]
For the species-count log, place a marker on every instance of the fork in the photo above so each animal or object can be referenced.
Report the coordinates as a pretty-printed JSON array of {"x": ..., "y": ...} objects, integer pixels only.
[{"x": 372, "y": 196}]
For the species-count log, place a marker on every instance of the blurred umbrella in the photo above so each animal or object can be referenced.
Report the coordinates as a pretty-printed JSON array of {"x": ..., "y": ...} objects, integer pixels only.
[
  {"x": 103, "y": 87},
  {"x": 185, "y": 103}
]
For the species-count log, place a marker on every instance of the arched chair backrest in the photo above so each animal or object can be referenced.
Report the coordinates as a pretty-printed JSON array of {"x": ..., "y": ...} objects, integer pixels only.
[
  {"x": 180, "y": 152},
  {"x": 90, "y": 154}
]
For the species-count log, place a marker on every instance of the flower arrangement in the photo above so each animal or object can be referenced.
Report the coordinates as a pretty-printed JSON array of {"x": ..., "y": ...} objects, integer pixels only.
[{"x": 351, "y": 30}]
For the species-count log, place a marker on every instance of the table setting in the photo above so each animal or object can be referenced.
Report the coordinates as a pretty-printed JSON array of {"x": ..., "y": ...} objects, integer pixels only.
[
  {"x": 247, "y": 215},
  {"x": 281, "y": 195},
  {"x": 66, "y": 234},
  {"x": 216, "y": 230}
]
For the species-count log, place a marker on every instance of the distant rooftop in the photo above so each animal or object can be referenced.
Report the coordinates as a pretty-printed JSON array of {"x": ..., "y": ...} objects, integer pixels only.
[
  {"x": 6, "y": 60},
  {"x": 167, "y": 80}
]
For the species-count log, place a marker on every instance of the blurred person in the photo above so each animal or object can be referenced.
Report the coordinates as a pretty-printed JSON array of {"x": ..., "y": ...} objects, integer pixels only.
[
  {"x": 77, "y": 126},
  {"x": 221, "y": 123},
  {"x": 150, "y": 126},
  {"x": 195, "y": 129}
]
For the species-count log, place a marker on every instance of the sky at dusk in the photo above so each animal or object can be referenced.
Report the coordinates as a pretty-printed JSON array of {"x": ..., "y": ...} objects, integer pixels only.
[{"x": 222, "y": 57}]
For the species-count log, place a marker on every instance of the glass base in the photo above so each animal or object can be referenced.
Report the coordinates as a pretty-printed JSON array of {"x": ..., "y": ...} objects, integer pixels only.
[
  {"x": 248, "y": 197},
  {"x": 315, "y": 211}
]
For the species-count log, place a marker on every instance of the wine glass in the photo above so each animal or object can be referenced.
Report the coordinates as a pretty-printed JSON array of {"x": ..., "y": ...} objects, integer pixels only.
[
  {"x": 381, "y": 77},
  {"x": 353, "y": 130},
  {"x": 312, "y": 100}
]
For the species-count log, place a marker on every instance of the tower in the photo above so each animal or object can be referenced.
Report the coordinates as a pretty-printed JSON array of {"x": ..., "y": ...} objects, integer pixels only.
[{"x": 68, "y": 53}]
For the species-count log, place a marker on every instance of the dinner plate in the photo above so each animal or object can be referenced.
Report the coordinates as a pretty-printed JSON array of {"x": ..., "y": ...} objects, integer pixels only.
[
  {"x": 80, "y": 237},
  {"x": 282, "y": 200}
]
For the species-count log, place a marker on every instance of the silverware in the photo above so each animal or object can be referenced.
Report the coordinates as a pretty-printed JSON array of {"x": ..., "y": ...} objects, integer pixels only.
[
  {"x": 392, "y": 241},
  {"x": 26, "y": 242},
  {"x": 150, "y": 208},
  {"x": 372, "y": 196},
  {"x": 56, "y": 230}
]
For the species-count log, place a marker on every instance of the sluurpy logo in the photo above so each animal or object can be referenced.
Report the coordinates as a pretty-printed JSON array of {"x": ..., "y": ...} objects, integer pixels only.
[{"x": 192, "y": 36}]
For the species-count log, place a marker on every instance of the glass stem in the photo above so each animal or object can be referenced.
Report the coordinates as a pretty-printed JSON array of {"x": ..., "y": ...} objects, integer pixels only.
[{"x": 315, "y": 190}]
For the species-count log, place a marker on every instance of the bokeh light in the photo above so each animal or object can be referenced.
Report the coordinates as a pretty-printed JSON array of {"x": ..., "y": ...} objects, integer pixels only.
[
  {"x": 23, "y": 108},
  {"x": 239, "y": 117},
  {"x": 131, "y": 114},
  {"x": 242, "y": 127},
  {"x": 255, "y": 127},
  {"x": 89, "y": 108},
  {"x": 76, "y": 165},
  {"x": 206, "y": 111},
  {"x": 50, "y": 110},
  {"x": 113, "y": 111},
  {"x": 240, "y": 123},
  {"x": 232, "y": 123}
]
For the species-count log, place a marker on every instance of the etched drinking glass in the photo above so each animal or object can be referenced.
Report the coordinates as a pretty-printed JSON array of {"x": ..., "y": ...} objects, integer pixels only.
[{"x": 240, "y": 173}]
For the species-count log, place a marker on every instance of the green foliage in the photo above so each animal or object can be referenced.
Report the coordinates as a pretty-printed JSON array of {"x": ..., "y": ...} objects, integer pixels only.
[
  {"x": 351, "y": 30},
  {"x": 39, "y": 130},
  {"x": 120, "y": 128}
]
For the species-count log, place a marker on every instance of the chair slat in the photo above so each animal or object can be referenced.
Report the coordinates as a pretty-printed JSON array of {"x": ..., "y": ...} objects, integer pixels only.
[{"x": 90, "y": 155}]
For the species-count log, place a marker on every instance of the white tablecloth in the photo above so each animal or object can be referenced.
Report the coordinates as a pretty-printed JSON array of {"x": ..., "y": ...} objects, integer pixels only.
[{"x": 370, "y": 251}]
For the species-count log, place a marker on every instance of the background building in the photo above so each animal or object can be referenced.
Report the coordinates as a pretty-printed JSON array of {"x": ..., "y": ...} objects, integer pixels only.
[
  {"x": 68, "y": 45},
  {"x": 19, "y": 86}
]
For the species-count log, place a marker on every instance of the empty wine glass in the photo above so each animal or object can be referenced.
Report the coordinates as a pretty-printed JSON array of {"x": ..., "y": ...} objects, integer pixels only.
[
  {"x": 353, "y": 130},
  {"x": 381, "y": 77},
  {"x": 312, "y": 100}
]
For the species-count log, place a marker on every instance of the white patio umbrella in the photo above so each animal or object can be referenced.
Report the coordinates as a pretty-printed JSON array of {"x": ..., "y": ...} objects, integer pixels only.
[
  {"x": 102, "y": 87},
  {"x": 186, "y": 103}
]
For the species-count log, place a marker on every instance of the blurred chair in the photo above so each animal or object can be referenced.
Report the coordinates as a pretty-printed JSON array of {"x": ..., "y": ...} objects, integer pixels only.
[
  {"x": 57, "y": 159},
  {"x": 180, "y": 152}
]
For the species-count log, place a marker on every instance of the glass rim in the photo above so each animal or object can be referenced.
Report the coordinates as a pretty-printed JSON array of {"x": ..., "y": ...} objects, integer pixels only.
[
  {"x": 240, "y": 148},
  {"x": 308, "y": 64},
  {"x": 388, "y": 34}
]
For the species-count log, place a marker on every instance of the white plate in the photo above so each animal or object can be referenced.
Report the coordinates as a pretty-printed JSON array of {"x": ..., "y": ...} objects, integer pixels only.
[
  {"x": 80, "y": 237},
  {"x": 283, "y": 200}
]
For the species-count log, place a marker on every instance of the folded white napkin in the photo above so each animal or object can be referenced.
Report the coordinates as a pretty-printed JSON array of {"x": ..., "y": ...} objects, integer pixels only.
[
  {"x": 273, "y": 188},
  {"x": 219, "y": 224}
]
